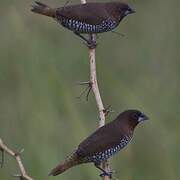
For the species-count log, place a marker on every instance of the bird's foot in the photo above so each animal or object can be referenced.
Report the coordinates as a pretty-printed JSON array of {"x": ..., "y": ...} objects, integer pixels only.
[
  {"x": 91, "y": 44},
  {"x": 109, "y": 174},
  {"x": 106, "y": 174}
]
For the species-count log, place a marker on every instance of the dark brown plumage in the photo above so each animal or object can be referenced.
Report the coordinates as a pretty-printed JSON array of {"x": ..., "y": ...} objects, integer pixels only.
[
  {"x": 104, "y": 142},
  {"x": 87, "y": 18}
]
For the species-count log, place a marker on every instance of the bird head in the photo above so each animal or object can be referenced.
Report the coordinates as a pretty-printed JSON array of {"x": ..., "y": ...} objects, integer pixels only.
[
  {"x": 133, "y": 117},
  {"x": 124, "y": 10}
]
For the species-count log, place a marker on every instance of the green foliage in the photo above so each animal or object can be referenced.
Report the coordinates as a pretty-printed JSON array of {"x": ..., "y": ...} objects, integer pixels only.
[{"x": 40, "y": 63}]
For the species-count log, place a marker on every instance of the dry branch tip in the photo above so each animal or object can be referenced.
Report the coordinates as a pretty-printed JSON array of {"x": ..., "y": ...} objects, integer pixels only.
[{"x": 17, "y": 155}]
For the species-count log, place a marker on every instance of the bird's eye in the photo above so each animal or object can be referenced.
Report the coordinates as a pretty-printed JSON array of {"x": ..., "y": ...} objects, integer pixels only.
[
  {"x": 135, "y": 116},
  {"x": 128, "y": 10},
  {"x": 124, "y": 9}
]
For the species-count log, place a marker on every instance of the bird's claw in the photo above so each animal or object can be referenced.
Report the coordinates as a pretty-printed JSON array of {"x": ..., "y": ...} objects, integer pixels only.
[
  {"x": 91, "y": 44},
  {"x": 107, "y": 174}
]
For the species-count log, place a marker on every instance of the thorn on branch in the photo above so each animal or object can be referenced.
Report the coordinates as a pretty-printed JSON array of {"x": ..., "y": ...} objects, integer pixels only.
[
  {"x": 16, "y": 153},
  {"x": 118, "y": 33},
  {"x": 87, "y": 89},
  {"x": 2, "y": 158},
  {"x": 19, "y": 176},
  {"x": 21, "y": 151},
  {"x": 108, "y": 110},
  {"x": 85, "y": 83},
  {"x": 66, "y": 3}
]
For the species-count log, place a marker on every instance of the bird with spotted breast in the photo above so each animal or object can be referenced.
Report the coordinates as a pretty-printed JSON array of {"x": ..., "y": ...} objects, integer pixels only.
[
  {"x": 89, "y": 18},
  {"x": 104, "y": 142}
]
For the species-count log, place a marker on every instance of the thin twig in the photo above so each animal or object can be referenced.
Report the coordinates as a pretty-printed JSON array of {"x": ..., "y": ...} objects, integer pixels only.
[
  {"x": 95, "y": 88},
  {"x": 23, "y": 175},
  {"x": 101, "y": 109}
]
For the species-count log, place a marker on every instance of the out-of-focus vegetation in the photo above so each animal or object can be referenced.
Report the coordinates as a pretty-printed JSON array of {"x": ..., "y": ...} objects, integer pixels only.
[{"x": 40, "y": 63}]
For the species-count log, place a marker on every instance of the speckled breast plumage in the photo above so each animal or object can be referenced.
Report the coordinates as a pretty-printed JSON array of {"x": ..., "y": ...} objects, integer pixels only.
[
  {"x": 81, "y": 27},
  {"x": 101, "y": 156}
]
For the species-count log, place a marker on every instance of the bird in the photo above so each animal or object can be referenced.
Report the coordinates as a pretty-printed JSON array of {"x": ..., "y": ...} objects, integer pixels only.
[
  {"x": 89, "y": 18},
  {"x": 103, "y": 143}
]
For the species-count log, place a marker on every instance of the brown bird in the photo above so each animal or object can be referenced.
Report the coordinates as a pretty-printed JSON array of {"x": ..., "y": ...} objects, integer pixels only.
[
  {"x": 104, "y": 142},
  {"x": 87, "y": 18}
]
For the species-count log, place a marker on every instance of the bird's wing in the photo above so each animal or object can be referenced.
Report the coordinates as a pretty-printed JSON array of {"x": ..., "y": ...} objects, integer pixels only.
[
  {"x": 101, "y": 140},
  {"x": 89, "y": 13}
]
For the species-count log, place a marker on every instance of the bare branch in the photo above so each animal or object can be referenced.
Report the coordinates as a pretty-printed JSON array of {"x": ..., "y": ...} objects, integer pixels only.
[
  {"x": 95, "y": 88},
  {"x": 23, "y": 175}
]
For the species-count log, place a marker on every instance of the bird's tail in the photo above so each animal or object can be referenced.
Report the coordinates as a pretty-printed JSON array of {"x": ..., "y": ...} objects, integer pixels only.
[
  {"x": 43, "y": 9},
  {"x": 68, "y": 163}
]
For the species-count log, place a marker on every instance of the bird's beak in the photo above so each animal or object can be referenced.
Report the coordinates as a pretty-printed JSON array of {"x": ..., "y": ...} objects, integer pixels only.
[
  {"x": 129, "y": 11},
  {"x": 132, "y": 11},
  {"x": 143, "y": 117}
]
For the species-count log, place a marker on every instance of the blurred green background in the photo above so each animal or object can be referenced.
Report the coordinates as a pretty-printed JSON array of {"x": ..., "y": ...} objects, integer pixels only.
[{"x": 40, "y": 63}]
